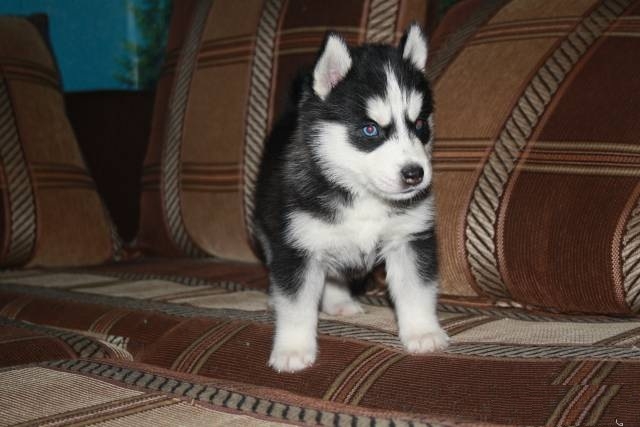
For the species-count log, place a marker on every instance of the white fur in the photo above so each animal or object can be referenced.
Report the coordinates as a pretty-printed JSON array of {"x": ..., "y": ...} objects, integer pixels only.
[
  {"x": 332, "y": 66},
  {"x": 337, "y": 300},
  {"x": 397, "y": 101},
  {"x": 414, "y": 105},
  {"x": 415, "y": 48},
  {"x": 294, "y": 344},
  {"x": 358, "y": 231},
  {"x": 379, "y": 111},
  {"x": 415, "y": 302}
]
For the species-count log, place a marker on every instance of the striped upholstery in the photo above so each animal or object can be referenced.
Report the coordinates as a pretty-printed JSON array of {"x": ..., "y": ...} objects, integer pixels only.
[
  {"x": 50, "y": 213},
  {"x": 200, "y": 330},
  {"x": 228, "y": 72},
  {"x": 536, "y": 161}
]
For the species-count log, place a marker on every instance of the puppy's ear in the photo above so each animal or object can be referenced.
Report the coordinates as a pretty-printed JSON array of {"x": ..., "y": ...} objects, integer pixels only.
[
  {"x": 414, "y": 46},
  {"x": 332, "y": 65}
]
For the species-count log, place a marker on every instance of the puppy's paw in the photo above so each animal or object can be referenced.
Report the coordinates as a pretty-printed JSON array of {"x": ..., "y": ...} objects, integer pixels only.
[
  {"x": 342, "y": 308},
  {"x": 426, "y": 342},
  {"x": 292, "y": 359}
]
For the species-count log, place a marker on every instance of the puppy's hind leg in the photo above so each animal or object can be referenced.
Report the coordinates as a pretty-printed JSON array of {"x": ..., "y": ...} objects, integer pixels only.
[
  {"x": 295, "y": 342},
  {"x": 337, "y": 299}
]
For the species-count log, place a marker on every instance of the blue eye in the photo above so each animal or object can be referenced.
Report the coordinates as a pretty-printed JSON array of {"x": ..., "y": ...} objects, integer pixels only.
[
  {"x": 370, "y": 130},
  {"x": 420, "y": 126}
]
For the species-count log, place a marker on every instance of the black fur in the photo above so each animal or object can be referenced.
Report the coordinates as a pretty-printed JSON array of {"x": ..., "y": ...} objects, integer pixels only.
[{"x": 288, "y": 152}]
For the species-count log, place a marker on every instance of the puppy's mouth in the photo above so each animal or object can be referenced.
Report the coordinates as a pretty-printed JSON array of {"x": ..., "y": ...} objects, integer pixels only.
[
  {"x": 406, "y": 194},
  {"x": 413, "y": 196}
]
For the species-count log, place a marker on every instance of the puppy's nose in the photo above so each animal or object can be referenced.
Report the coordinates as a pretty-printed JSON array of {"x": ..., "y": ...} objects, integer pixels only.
[{"x": 412, "y": 174}]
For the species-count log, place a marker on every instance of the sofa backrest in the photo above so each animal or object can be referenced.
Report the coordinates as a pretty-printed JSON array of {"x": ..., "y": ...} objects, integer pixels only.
[
  {"x": 537, "y": 154},
  {"x": 228, "y": 73},
  {"x": 536, "y": 159}
]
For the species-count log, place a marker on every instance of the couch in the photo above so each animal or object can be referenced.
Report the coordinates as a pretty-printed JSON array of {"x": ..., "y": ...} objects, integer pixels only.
[{"x": 130, "y": 292}]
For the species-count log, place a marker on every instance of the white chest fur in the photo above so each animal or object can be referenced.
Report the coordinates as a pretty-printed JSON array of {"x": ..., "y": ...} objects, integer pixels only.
[{"x": 360, "y": 232}]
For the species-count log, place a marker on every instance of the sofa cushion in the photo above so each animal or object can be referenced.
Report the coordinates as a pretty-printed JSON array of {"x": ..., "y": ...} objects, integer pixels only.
[
  {"x": 88, "y": 392},
  {"x": 50, "y": 213},
  {"x": 505, "y": 366},
  {"x": 227, "y": 75},
  {"x": 537, "y": 172}
]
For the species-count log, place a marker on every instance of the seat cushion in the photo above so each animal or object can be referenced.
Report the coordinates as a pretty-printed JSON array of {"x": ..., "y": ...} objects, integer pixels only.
[
  {"x": 211, "y": 320},
  {"x": 50, "y": 212},
  {"x": 537, "y": 172}
]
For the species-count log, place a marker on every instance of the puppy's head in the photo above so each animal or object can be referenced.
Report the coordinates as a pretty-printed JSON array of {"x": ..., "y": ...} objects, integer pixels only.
[{"x": 368, "y": 116}]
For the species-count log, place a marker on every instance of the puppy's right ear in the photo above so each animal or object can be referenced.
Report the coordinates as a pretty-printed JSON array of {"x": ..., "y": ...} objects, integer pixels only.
[{"x": 332, "y": 65}]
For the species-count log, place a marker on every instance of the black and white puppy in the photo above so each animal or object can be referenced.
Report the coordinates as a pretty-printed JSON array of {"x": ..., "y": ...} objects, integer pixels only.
[{"x": 344, "y": 185}]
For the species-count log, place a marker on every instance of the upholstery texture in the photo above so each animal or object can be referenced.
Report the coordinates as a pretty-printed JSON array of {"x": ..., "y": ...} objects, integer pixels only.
[
  {"x": 226, "y": 78},
  {"x": 536, "y": 156},
  {"x": 200, "y": 324},
  {"x": 50, "y": 213}
]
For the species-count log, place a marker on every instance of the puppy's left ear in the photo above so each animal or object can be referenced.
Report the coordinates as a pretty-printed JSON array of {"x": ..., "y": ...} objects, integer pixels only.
[{"x": 414, "y": 46}]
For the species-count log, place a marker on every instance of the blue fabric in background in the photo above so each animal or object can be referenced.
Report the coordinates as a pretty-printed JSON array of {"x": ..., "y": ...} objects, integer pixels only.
[{"x": 88, "y": 39}]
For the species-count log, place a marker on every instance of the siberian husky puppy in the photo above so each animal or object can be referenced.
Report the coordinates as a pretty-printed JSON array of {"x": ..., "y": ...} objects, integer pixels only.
[{"x": 345, "y": 184}]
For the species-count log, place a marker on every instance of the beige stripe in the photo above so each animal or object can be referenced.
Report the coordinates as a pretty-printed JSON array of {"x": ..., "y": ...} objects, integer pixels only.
[
  {"x": 213, "y": 348},
  {"x": 586, "y": 146},
  {"x": 338, "y": 383},
  {"x": 19, "y": 188},
  {"x": 566, "y": 402},
  {"x": 14, "y": 307},
  {"x": 374, "y": 377},
  {"x": 104, "y": 323},
  {"x": 177, "y": 364},
  {"x": 482, "y": 143},
  {"x": 622, "y": 34},
  {"x": 101, "y": 412},
  {"x": 172, "y": 146},
  {"x": 630, "y": 254},
  {"x": 580, "y": 170},
  {"x": 588, "y": 406},
  {"x": 258, "y": 103},
  {"x": 568, "y": 372},
  {"x": 602, "y": 403},
  {"x": 296, "y": 51},
  {"x": 381, "y": 23},
  {"x": 500, "y": 39},
  {"x": 105, "y": 418},
  {"x": 316, "y": 29},
  {"x": 603, "y": 372}
]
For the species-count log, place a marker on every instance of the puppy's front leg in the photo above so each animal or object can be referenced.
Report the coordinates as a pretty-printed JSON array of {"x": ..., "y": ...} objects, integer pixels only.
[
  {"x": 295, "y": 343},
  {"x": 412, "y": 279}
]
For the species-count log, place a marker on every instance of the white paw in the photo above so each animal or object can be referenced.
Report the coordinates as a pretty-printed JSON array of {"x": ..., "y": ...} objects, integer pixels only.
[
  {"x": 426, "y": 342},
  {"x": 292, "y": 360},
  {"x": 343, "y": 308}
]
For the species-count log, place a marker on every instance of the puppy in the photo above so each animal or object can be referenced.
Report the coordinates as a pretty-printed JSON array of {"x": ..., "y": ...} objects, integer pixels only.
[{"x": 345, "y": 185}]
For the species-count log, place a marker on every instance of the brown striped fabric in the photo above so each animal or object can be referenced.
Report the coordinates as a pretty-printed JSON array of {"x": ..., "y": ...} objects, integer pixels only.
[
  {"x": 536, "y": 160},
  {"x": 229, "y": 67},
  {"x": 50, "y": 212},
  {"x": 111, "y": 393},
  {"x": 205, "y": 339}
]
